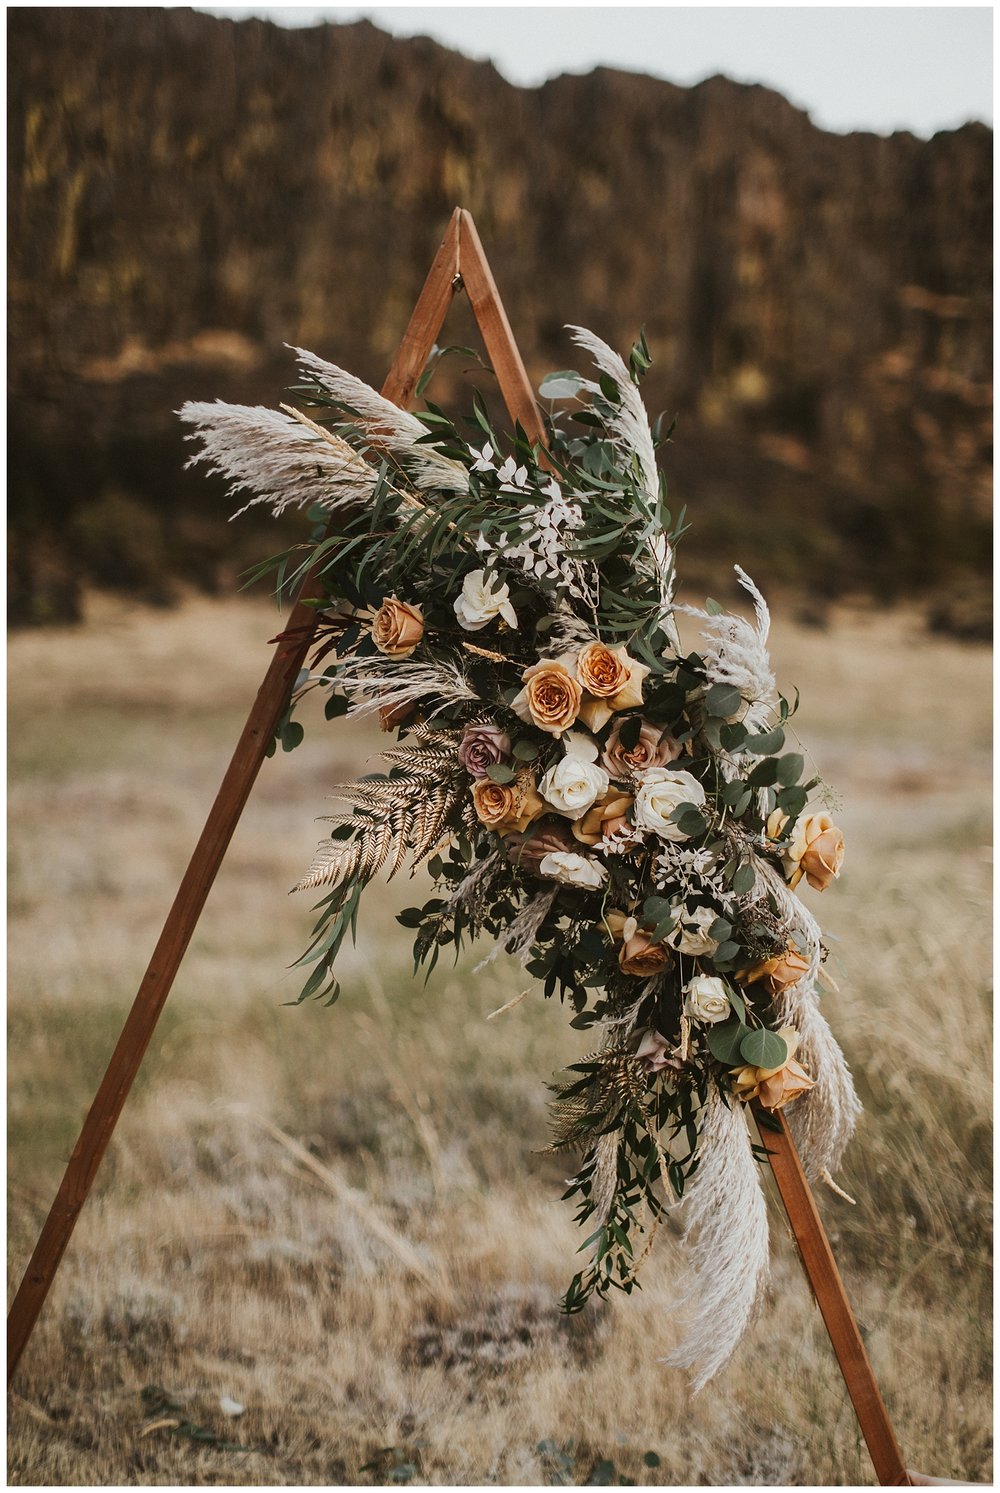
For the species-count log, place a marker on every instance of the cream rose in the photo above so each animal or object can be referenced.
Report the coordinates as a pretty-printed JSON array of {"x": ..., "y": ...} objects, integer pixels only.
[
  {"x": 572, "y": 785},
  {"x": 706, "y": 1000},
  {"x": 482, "y": 600},
  {"x": 397, "y": 628},
  {"x": 690, "y": 936},
  {"x": 661, "y": 790},
  {"x": 774, "y": 1087},
  {"x": 612, "y": 681},
  {"x": 573, "y": 870},
  {"x": 550, "y": 699},
  {"x": 507, "y": 807},
  {"x": 655, "y": 747},
  {"x": 816, "y": 851}
]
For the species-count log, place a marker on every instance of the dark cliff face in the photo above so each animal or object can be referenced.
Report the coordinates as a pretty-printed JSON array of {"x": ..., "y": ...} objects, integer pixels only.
[{"x": 187, "y": 194}]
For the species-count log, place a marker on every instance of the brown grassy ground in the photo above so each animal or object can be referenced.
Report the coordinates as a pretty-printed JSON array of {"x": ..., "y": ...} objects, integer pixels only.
[{"x": 395, "y": 1284}]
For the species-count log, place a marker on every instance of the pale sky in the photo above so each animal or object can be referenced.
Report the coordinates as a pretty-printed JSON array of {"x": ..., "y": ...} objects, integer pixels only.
[{"x": 878, "y": 68}]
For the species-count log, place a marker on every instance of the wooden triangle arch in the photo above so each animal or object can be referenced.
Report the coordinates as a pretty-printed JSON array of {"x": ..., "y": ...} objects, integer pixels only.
[{"x": 459, "y": 264}]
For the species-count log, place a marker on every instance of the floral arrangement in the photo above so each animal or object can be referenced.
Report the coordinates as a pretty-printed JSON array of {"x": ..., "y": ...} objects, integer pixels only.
[{"x": 623, "y": 815}]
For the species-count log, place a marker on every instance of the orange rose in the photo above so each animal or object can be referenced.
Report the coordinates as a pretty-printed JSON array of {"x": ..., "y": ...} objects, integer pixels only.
[
  {"x": 779, "y": 973},
  {"x": 508, "y": 807},
  {"x": 774, "y": 1087},
  {"x": 601, "y": 670},
  {"x": 612, "y": 680},
  {"x": 816, "y": 852},
  {"x": 639, "y": 956},
  {"x": 550, "y": 699},
  {"x": 606, "y": 816},
  {"x": 397, "y": 628}
]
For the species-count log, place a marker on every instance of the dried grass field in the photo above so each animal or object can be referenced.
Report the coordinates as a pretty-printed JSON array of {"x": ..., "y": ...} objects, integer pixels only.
[{"x": 344, "y": 1219}]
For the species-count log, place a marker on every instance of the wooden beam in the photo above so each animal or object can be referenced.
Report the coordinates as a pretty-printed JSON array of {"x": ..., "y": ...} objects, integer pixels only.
[
  {"x": 268, "y": 708},
  {"x": 828, "y": 1288},
  {"x": 481, "y": 288}
]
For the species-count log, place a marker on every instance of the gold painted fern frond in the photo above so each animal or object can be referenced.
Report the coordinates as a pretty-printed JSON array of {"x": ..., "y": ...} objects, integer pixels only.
[{"x": 404, "y": 815}]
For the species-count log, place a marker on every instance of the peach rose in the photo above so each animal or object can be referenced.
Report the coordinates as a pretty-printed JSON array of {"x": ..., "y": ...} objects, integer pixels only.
[
  {"x": 774, "y": 1087},
  {"x": 507, "y": 807},
  {"x": 550, "y": 699},
  {"x": 654, "y": 748},
  {"x": 397, "y": 628},
  {"x": 816, "y": 851},
  {"x": 612, "y": 681},
  {"x": 779, "y": 973},
  {"x": 638, "y": 955},
  {"x": 615, "y": 922},
  {"x": 606, "y": 816},
  {"x": 526, "y": 852}
]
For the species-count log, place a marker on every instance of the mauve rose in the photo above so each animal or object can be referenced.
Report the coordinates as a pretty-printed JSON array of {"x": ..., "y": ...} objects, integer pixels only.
[
  {"x": 527, "y": 852},
  {"x": 654, "y": 1053},
  {"x": 654, "y": 748},
  {"x": 482, "y": 747}
]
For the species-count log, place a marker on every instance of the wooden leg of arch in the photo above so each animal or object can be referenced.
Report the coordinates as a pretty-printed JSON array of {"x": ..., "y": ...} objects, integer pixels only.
[{"x": 831, "y": 1298}]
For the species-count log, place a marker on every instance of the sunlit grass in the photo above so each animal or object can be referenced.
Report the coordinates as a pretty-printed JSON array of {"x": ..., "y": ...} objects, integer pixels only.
[{"x": 407, "y": 1297}]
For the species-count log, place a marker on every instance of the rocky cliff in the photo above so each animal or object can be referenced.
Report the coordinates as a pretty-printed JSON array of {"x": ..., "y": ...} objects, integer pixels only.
[{"x": 188, "y": 194}]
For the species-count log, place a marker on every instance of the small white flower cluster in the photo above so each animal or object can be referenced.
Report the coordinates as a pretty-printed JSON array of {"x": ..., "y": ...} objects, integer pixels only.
[
  {"x": 541, "y": 551},
  {"x": 687, "y": 872}
]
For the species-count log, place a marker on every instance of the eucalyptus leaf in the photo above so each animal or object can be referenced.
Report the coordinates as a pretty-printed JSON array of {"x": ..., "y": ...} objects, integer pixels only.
[
  {"x": 792, "y": 801},
  {"x": 790, "y": 768},
  {"x": 766, "y": 743},
  {"x": 725, "y": 1041},
  {"x": 655, "y": 909},
  {"x": 499, "y": 772},
  {"x": 764, "y": 1049},
  {"x": 764, "y": 774},
  {"x": 563, "y": 385},
  {"x": 723, "y": 700}
]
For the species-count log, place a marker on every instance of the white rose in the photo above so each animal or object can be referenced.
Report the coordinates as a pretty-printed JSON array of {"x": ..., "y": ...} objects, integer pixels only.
[
  {"x": 573, "y": 785},
  {"x": 691, "y": 933},
  {"x": 483, "y": 600},
  {"x": 572, "y": 869},
  {"x": 705, "y": 1000},
  {"x": 661, "y": 790}
]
